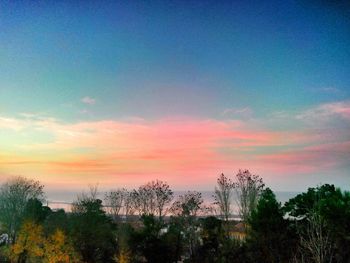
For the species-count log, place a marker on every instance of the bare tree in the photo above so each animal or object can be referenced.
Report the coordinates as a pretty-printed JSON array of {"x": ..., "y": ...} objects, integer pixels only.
[
  {"x": 129, "y": 204},
  {"x": 187, "y": 207},
  {"x": 223, "y": 196},
  {"x": 248, "y": 188},
  {"x": 144, "y": 200},
  {"x": 14, "y": 195},
  {"x": 316, "y": 240},
  {"x": 152, "y": 198},
  {"x": 163, "y": 195},
  {"x": 114, "y": 201},
  {"x": 79, "y": 205}
]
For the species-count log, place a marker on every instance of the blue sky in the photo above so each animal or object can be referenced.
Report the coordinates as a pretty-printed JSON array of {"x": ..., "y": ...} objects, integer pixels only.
[
  {"x": 136, "y": 57},
  {"x": 248, "y": 61}
]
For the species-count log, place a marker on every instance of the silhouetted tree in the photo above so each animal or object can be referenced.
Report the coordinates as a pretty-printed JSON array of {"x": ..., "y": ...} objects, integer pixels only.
[
  {"x": 129, "y": 204},
  {"x": 269, "y": 237},
  {"x": 187, "y": 207},
  {"x": 248, "y": 188},
  {"x": 163, "y": 195},
  {"x": 223, "y": 196},
  {"x": 212, "y": 237},
  {"x": 29, "y": 244},
  {"x": 114, "y": 201},
  {"x": 35, "y": 211},
  {"x": 322, "y": 218},
  {"x": 14, "y": 196},
  {"x": 92, "y": 230},
  {"x": 152, "y": 198}
]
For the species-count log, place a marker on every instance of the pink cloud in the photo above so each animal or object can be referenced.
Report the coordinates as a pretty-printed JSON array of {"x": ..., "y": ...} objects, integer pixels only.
[
  {"x": 179, "y": 150},
  {"x": 88, "y": 100},
  {"x": 321, "y": 157}
]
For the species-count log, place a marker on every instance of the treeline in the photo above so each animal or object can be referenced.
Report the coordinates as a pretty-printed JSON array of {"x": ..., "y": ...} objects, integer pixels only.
[{"x": 148, "y": 225}]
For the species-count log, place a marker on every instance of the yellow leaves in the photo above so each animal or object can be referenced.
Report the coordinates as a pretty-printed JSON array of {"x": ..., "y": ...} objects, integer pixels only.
[
  {"x": 29, "y": 242},
  {"x": 31, "y": 245},
  {"x": 124, "y": 256},
  {"x": 58, "y": 249}
]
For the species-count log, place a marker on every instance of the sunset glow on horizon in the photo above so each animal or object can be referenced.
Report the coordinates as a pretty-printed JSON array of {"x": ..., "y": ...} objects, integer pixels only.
[{"x": 124, "y": 93}]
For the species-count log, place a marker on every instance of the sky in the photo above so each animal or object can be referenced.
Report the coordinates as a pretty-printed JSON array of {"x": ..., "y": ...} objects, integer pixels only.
[{"x": 120, "y": 93}]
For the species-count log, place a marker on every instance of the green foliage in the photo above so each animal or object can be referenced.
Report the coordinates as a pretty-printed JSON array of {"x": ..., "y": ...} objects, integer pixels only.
[
  {"x": 56, "y": 220},
  {"x": 152, "y": 244},
  {"x": 93, "y": 232},
  {"x": 269, "y": 237},
  {"x": 35, "y": 211},
  {"x": 332, "y": 207},
  {"x": 312, "y": 227},
  {"x": 212, "y": 236}
]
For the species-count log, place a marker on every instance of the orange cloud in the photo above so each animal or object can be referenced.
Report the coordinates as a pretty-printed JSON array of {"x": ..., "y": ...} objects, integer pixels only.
[{"x": 179, "y": 150}]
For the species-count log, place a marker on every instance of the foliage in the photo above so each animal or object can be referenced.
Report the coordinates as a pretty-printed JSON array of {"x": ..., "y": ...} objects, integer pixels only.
[
  {"x": 323, "y": 223},
  {"x": 212, "y": 236},
  {"x": 29, "y": 244},
  {"x": 58, "y": 248},
  {"x": 32, "y": 246},
  {"x": 187, "y": 207},
  {"x": 269, "y": 234},
  {"x": 14, "y": 195},
  {"x": 35, "y": 211},
  {"x": 92, "y": 231},
  {"x": 312, "y": 227},
  {"x": 56, "y": 220}
]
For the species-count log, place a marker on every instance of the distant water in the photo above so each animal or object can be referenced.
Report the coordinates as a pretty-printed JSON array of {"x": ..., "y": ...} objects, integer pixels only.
[{"x": 63, "y": 199}]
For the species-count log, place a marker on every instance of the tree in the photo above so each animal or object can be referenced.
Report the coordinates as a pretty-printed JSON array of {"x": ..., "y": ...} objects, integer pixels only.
[
  {"x": 152, "y": 198},
  {"x": 149, "y": 243},
  {"x": 14, "y": 196},
  {"x": 212, "y": 236},
  {"x": 129, "y": 204},
  {"x": 58, "y": 248},
  {"x": 32, "y": 246},
  {"x": 29, "y": 244},
  {"x": 35, "y": 211},
  {"x": 144, "y": 200},
  {"x": 163, "y": 195},
  {"x": 56, "y": 220},
  {"x": 125, "y": 244},
  {"x": 317, "y": 241},
  {"x": 92, "y": 230},
  {"x": 321, "y": 217},
  {"x": 223, "y": 196},
  {"x": 269, "y": 238},
  {"x": 114, "y": 201},
  {"x": 186, "y": 207},
  {"x": 248, "y": 188}
]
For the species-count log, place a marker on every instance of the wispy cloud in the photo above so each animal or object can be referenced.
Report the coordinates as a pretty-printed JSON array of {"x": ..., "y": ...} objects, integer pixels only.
[
  {"x": 329, "y": 89},
  {"x": 134, "y": 149},
  {"x": 237, "y": 112},
  {"x": 88, "y": 100},
  {"x": 327, "y": 111}
]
